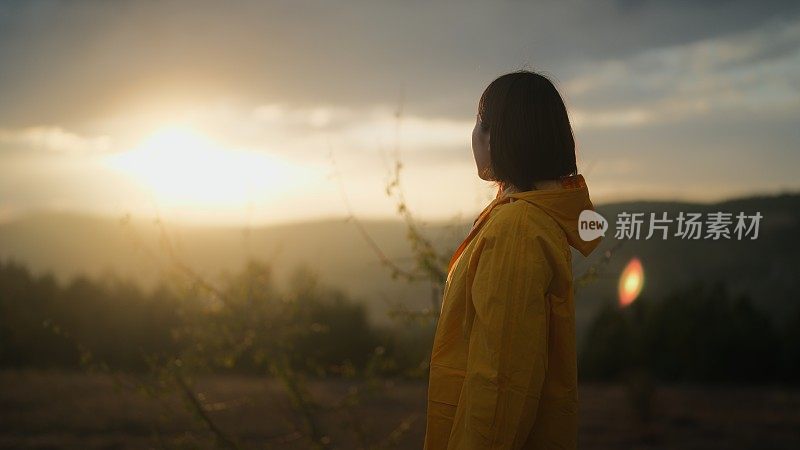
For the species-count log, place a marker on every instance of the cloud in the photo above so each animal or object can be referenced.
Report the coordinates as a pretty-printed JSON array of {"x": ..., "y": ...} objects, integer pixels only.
[
  {"x": 711, "y": 77},
  {"x": 305, "y": 132},
  {"x": 89, "y": 60},
  {"x": 54, "y": 139}
]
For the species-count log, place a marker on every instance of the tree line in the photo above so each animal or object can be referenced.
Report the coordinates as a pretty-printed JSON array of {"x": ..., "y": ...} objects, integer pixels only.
[
  {"x": 701, "y": 333},
  {"x": 240, "y": 325}
]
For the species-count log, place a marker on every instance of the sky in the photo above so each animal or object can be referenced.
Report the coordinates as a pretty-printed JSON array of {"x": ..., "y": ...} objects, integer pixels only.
[{"x": 278, "y": 111}]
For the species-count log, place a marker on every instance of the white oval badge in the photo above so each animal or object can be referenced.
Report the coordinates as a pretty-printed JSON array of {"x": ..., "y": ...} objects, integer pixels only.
[{"x": 591, "y": 225}]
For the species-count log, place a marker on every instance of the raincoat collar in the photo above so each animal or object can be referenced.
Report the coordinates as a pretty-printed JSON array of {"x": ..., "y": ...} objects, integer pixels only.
[{"x": 562, "y": 205}]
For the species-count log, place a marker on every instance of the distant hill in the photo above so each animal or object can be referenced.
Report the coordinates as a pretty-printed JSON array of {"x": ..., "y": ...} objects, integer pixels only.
[
  {"x": 767, "y": 268},
  {"x": 69, "y": 245}
]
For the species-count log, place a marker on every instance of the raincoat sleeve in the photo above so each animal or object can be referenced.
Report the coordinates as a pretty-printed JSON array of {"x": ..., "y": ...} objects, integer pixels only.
[{"x": 507, "y": 351}]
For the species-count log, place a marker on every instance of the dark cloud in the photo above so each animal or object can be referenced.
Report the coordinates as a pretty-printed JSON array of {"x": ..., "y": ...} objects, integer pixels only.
[{"x": 70, "y": 62}]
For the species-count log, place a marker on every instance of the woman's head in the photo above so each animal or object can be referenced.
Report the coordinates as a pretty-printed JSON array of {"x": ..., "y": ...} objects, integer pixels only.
[{"x": 522, "y": 133}]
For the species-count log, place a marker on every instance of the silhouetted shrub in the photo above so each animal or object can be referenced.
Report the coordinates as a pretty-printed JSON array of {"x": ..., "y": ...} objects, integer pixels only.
[
  {"x": 696, "y": 334},
  {"x": 43, "y": 324}
]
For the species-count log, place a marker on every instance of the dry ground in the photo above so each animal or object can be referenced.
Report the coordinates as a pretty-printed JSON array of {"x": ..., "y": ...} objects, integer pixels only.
[{"x": 40, "y": 409}]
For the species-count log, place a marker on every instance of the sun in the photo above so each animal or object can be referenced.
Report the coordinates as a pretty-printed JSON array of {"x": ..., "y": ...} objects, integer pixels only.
[{"x": 180, "y": 166}]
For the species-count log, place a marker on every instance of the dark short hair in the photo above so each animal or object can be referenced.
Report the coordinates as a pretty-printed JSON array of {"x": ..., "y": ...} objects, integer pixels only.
[{"x": 530, "y": 134}]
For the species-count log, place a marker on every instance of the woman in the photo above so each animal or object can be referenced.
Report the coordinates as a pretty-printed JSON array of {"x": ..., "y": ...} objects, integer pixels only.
[{"x": 503, "y": 369}]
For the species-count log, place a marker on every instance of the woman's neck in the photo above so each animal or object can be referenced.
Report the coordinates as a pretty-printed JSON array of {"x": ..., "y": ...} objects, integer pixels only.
[
  {"x": 509, "y": 189},
  {"x": 537, "y": 186}
]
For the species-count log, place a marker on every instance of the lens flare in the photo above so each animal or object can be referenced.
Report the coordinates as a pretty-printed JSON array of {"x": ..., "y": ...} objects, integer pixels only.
[{"x": 631, "y": 282}]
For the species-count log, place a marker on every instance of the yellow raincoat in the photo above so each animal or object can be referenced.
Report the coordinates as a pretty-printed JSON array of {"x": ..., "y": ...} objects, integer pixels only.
[{"x": 503, "y": 371}]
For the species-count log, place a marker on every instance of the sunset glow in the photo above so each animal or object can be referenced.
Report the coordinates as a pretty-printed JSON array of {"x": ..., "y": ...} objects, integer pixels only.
[
  {"x": 631, "y": 282},
  {"x": 180, "y": 166}
]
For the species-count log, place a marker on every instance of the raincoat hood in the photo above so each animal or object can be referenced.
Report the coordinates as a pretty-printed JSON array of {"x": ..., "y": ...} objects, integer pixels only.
[{"x": 564, "y": 206}]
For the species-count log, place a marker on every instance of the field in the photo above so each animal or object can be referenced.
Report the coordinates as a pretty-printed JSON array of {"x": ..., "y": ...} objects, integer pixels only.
[{"x": 48, "y": 409}]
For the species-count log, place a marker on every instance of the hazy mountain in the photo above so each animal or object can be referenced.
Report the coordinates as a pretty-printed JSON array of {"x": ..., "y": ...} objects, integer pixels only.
[{"x": 69, "y": 245}]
